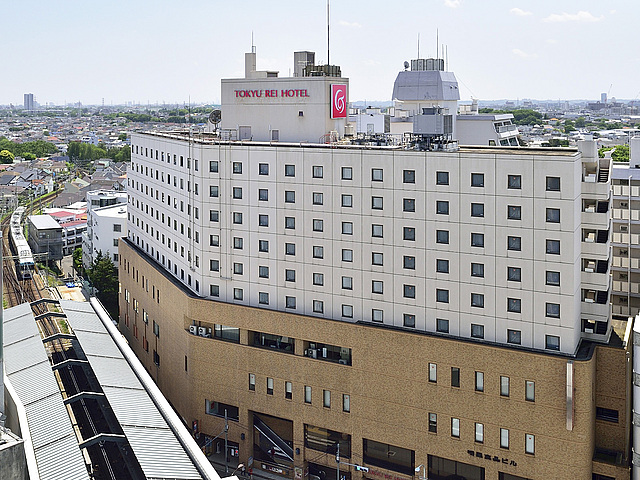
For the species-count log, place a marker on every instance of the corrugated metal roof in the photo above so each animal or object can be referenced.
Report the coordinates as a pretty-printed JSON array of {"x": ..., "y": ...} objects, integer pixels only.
[{"x": 29, "y": 371}]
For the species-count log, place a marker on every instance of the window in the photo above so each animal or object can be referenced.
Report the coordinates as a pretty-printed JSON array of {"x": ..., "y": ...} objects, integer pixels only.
[
  {"x": 433, "y": 423},
  {"x": 477, "y": 331},
  {"x": 442, "y": 178},
  {"x": 326, "y": 398},
  {"x": 289, "y": 170},
  {"x": 529, "y": 444},
  {"x": 263, "y": 298},
  {"x": 263, "y": 272},
  {"x": 442, "y": 295},
  {"x": 455, "y": 376},
  {"x": 376, "y": 231},
  {"x": 263, "y": 194},
  {"x": 237, "y": 193},
  {"x": 238, "y": 268},
  {"x": 213, "y": 191},
  {"x": 553, "y": 215},
  {"x": 288, "y": 390},
  {"x": 347, "y": 200},
  {"x": 290, "y": 302},
  {"x": 409, "y": 204},
  {"x": 442, "y": 236},
  {"x": 213, "y": 166},
  {"x": 477, "y": 209},
  {"x": 263, "y": 220},
  {"x": 409, "y": 291},
  {"x": 514, "y": 182},
  {"x": 376, "y": 203},
  {"x": 289, "y": 196},
  {"x": 514, "y": 305},
  {"x": 290, "y": 222},
  {"x": 607, "y": 414},
  {"x": 318, "y": 306},
  {"x": 409, "y": 176},
  {"x": 514, "y": 274},
  {"x": 214, "y": 265},
  {"x": 377, "y": 286},
  {"x": 237, "y": 218},
  {"x": 376, "y": 258},
  {"x": 347, "y": 173},
  {"x": 346, "y": 402},
  {"x": 477, "y": 239},
  {"x": 269, "y": 386},
  {"x": 477, "y": 300},
  {"x": 238, "y": 242},
  {"x": 409, "y": 320},
  {"x": 442, "y": 207},
  {"x": 238, "y": 294},
  {"x": 553, "y": 310},
  {"x": 347, "y": 228},
  {"x": 514, "y": 243},
  {"x": 553, "y": 278},
  {"x": 377, "y": 315},
  {"x": 504, "y": 438},
  {"x": 252, "y": 381},
  {"x": 289, "y": 275},
  {"x": 553, "y": 184},
  {"x": 455, "y": 427},
  {"x": 442, "y": 325},
  {"x": 433, "y": 372},
  {"x": 409, "y": 233},
  {"x": 409, "y": 262},
  {"x": 214, "y": 290},
  {"x": 347, "y": 283},
  {"x": 514, "y": 212},
  {"x": 479, "y": 382},
  {"x": 347, "y": 255},
  {"x": 552, "y": 342},
  {"x": 347, "y": 311},
  {"x": 263, "y": 245},
  {"x": 307, "y": 392},
  {"x": 477, "y": 269},
  {"x": 376, "y": 174},
  {"x": 318, "y": 252},
  {"x": 237, "y": 167},
  {"x": 479, "y": 432},
  {"x": 530, "y": 391},
  {"x": 514, "y": 336},
  {"x": 477, "y": 179},
  {"x": 318, "y": 225},
  {"x": 318, "y": 279},
  {"x": 317, "y": 198},
  {"x": 553, "y": 247},
  {"x": 504, "y": 386},
  {"x": 317, "y": 171},
  {"x": 442, "y": 266},
  {"x": 263, "y": 169},
  {"x": 289, "y": 248},
  {"x": 214, "y": 240}
]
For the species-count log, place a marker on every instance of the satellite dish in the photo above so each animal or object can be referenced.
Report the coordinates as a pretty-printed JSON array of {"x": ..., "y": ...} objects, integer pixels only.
[
  {"x": 215, "y": 117},
  {"x": 406, "y": 65}
]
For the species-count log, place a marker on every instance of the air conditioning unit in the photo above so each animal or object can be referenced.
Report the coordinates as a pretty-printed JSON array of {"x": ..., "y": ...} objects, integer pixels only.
[
  {"x": 342, "y": 361},
  {"x": 193, "y": 330},
  {"x": 324, "y": 352},
  {"x": 312, "y": 353},
  {"x": 202, "y": 331},
  {"x": 624, "y": 228},
  {"x": 588, "y": 330},
  {"x": 208, "y": 332}
]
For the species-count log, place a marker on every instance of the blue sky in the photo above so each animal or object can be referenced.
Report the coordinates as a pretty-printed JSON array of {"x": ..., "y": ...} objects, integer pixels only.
[{"x": 168, "y": 50}]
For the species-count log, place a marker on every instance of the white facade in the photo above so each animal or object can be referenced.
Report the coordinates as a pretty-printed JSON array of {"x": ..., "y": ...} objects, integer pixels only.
[
  {"x": 490, "y": 130},
  {"x": 106, "y": 214},
  {"x": 358, "y": 234}
]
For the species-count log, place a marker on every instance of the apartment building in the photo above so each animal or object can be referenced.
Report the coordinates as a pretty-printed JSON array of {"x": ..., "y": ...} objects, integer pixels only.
[
  {"x": 106, "y": 223},
  {"x": 423, "y": 312}
]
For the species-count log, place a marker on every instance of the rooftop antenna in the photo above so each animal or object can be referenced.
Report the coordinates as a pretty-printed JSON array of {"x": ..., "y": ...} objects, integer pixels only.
[
  {"x": 328, "y": 63},
  {"x": 437, "y": 43},
  {"x": 418, "y": 45},
  {"x": 447, "y": 55},
  {"x": 253, "y": 47}
]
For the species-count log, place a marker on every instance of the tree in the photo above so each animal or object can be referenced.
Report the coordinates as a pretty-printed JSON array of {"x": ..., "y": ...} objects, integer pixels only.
[
  {"x": 581, "y": 122},
  {"x": 122, "y": 137},
  {"x": 6, "y": 156},
  {"x": 77, "y": 261},
  {"x": 104, "y": 277}
]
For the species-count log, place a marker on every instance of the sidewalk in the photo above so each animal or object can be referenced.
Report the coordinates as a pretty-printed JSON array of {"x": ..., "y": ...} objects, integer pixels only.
[{"x": 217, "y": 460}]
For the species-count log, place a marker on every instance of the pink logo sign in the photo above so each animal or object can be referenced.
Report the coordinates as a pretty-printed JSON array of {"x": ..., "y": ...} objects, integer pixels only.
[{"x": 338, "y": 101}]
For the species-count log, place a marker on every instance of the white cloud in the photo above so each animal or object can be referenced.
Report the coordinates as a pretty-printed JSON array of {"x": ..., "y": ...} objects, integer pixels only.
[
  {"x": 581, "y": 16},
  {"x": 552, "y": 41},
  {"x": 452, "y": 3},
  {"x": 522, "y": 54},
  {"x": 519, "y": 12},
  {"x": 344, "y": 23}
]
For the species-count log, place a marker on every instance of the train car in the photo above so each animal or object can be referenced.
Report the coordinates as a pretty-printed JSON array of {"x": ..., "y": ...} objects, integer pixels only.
[{"x": 20, "y": 247}]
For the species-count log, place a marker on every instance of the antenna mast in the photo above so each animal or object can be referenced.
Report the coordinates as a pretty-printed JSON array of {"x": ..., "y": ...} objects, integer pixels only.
[
  {"x": 437, "y": 43},
  {"x": 418, "y": 45},
  {"x": 328, "y": 63}
]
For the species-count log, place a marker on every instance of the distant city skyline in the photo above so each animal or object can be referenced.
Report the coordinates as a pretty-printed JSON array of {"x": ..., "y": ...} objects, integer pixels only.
[{"x": 129, "y": 52}]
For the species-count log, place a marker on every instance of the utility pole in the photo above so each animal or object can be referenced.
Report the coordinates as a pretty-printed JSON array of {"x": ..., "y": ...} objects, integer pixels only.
[
  {"x": 338, "y": 461},
  {"x": 226, "y": 441}
]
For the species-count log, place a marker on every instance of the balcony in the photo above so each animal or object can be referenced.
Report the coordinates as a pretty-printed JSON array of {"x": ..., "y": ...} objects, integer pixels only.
[
  {"x": 594, "y": 280},
  {"x": 595, "y": 219},
  {"x": 623, "y": 214},
  {"x": 623, "y": 238},
  {"x": 596, "y": 311},
  {"x": 623, "y": 262},
  {"x": 595, "y": 249},
  {"x": 593, "y": 189},
  {"x": 623, "y": 191},
  {"x": 621, "y": 286}
]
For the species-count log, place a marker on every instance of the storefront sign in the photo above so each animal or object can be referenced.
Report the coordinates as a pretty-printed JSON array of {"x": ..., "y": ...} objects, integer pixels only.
[
  {"x": 338, "y": 101},
  {"x": 385, "y": 476},
  {"x": 286, "y": 93},
  {"x": 274, "y": 469},
  {"x": 494, "y": 458}
]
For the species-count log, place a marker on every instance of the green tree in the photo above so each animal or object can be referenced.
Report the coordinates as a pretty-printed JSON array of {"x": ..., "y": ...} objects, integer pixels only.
[
  {"x": 28, "y": 156},
  {"x": 581, "y": 122},
  {"x": 621, "y": 153},
  {"x": 104, "y": 277},
  {"x": 122, "y": 137},
  {"x": 568, "y": 126},
  {"x": 6, "y": 156},
  {"x": 77, "y": 261}
]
